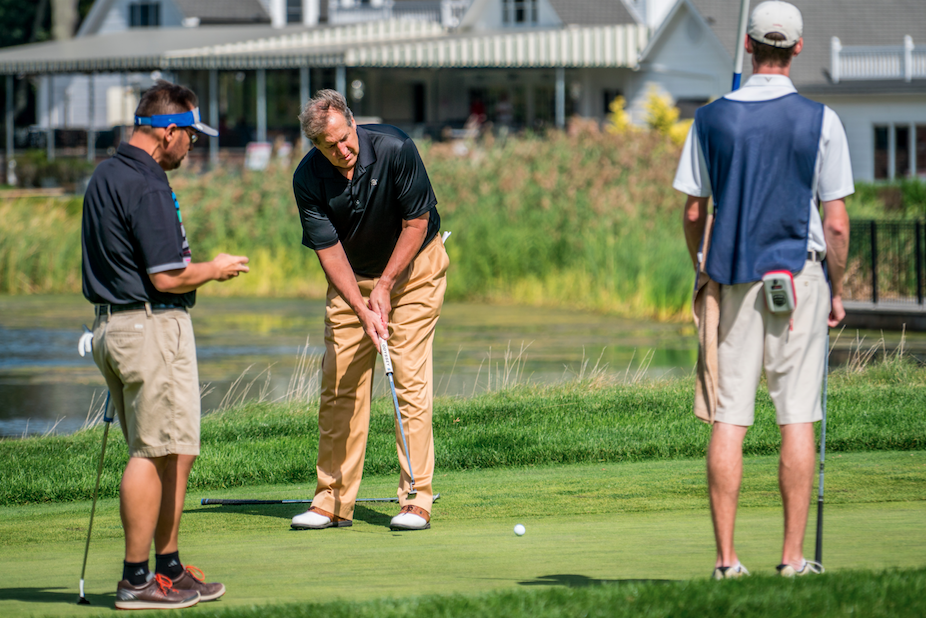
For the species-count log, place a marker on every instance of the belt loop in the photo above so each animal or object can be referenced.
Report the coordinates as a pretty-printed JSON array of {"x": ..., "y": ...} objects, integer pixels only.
[{"x": 148, "y": 310}]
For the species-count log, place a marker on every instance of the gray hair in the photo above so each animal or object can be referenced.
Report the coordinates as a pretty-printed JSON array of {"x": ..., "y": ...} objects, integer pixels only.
[{"x": 314, "y": 116}]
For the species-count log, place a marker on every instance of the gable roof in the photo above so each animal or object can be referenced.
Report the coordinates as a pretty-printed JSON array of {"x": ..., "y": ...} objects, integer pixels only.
[
  {"x": 592, "y": 12},
  {"x": 224, "y": 11},
  {"x": 855, "y": 22}
]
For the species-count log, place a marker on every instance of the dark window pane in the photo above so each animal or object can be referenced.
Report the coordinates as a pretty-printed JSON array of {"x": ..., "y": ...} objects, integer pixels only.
[
  {"x": 902, "y": 144},
  {"x": 881, "y": 152},
  {"x": 921, "y": 150}
]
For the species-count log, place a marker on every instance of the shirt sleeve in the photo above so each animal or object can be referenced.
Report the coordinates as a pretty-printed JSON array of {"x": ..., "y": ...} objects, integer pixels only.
[
  {"x": 157, "y": 229},
  {"x": 414, "y": 191},
  {"x": 835, "y": 181},
  {"x": 317, "y": 229},
  {"x": 692, "y": 177}
]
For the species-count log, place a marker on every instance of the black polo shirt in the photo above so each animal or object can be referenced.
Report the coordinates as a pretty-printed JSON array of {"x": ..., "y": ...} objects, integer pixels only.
[
  {"x": 365, "y": 214},
  {"x": 131, "y": 229}
]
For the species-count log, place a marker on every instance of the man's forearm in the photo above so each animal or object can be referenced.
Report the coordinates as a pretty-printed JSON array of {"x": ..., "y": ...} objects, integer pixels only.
[
  {"x": 836, "y": 233},
  {"x": 411, "y": 237},
  {"x": 339, "y": 272},
  {"x": 693, "y": 222}
]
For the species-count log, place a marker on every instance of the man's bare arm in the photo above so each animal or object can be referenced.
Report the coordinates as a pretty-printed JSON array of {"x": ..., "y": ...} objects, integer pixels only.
[
  {"x": 339, "y": 272},
  {"x": 693, "y": 221},
  {"x": 412, "y": 235},
  {"x": 182, "y": 280},
  {"x": 836, "y": 233}
]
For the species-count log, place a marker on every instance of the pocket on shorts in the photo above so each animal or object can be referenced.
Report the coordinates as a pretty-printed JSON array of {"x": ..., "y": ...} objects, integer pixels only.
[{"x": 169, "y": 336}]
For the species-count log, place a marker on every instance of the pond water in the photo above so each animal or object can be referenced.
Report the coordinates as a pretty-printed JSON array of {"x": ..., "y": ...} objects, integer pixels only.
[{"x": 251, "y": 348}]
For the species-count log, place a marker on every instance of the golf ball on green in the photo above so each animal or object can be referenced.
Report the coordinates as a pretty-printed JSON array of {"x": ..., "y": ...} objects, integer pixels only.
[{"x": 519, "y": 530}]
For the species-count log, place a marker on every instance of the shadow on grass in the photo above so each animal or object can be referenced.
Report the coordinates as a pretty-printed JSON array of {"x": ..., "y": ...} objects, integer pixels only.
[
  {"x": 287, "y": 511},
  {"x": 54, "y": 595},
  {"x": 581, "y": 581}
]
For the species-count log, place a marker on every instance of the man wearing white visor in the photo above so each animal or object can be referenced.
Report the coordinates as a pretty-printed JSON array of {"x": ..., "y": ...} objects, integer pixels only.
[
  {"x": 139, "y": 273},
  {"x": 769, "y": 158}
]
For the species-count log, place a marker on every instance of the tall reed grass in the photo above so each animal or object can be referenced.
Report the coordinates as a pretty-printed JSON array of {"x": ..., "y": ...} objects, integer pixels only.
[{"x": 581, "y": 219}]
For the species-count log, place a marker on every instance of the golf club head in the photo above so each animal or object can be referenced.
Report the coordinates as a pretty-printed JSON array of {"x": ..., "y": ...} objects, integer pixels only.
[{"x": 412, "y": 492}]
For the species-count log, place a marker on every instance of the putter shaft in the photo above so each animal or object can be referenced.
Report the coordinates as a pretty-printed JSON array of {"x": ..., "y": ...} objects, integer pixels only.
[{"x": 387, "y": 364}]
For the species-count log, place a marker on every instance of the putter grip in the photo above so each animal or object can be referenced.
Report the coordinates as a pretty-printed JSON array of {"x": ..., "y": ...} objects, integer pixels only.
[{"x": 384, "y": 349}]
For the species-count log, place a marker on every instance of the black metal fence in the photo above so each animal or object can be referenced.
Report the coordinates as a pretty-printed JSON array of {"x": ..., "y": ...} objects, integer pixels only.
[{"x": 886, "y": 261}]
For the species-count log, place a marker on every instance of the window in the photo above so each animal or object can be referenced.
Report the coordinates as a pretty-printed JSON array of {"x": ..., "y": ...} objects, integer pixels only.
[
  {"x": 293, "y": 11},
  {"x": 899, "y": 151},
  {"x": 144, "y": 14},
  {"x": 515, "y": 12}
]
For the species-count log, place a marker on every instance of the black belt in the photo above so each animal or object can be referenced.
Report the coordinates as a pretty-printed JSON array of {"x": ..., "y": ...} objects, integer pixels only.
[
  {"x": 815, "y": 256},
  {"x": 102, "y": 310}
]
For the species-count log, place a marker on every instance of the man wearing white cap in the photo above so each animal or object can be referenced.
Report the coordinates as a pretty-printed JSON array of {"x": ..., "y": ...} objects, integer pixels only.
[
  {"x": 138, "y": 271},
  {"x": 769, "y": 158}
]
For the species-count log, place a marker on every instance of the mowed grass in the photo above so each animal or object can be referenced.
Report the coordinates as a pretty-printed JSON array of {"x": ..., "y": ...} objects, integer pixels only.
[{"x": 602, "y": 539}]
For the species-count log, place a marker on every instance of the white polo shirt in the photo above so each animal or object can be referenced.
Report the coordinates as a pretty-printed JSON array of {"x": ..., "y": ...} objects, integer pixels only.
[{"x": 832, "y": 179}]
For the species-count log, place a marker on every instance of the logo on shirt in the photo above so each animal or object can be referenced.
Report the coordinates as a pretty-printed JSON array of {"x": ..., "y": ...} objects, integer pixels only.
[{"x": 374, "y": 182}]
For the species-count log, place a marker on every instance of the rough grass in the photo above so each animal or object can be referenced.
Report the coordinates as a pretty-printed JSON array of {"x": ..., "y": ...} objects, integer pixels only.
[{"x": 869, "y": 409}]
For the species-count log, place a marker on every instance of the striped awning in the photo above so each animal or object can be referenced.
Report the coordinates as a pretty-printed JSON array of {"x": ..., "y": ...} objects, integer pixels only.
[{"x": 395, "y": 43}]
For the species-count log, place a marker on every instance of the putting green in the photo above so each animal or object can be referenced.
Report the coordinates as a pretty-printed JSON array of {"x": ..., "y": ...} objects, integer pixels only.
[{"x": 612, "y": 522}]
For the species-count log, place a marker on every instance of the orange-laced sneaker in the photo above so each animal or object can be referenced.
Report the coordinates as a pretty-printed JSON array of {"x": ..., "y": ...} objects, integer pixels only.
[
  {"x": 156, "y": 593},
  {"x": 193, "y": 578}
]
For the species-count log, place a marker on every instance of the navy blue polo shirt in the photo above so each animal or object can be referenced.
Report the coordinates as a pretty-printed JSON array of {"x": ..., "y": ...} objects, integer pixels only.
[
  {"x": 131, "y": 229},
  {"x": 365, "y": 214}
]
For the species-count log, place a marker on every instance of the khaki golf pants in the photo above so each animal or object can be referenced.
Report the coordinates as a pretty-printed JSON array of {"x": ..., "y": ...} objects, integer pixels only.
[{"x": 347, "y": 384}]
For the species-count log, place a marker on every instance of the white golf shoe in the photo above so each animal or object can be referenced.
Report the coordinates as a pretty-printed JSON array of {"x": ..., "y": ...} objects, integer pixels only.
[
  {"x": 807, "y": 568},
  {"x": 729, "y": 572},
  {"x": 317, "y": 519},
  {"x": 411, "y": 518}
]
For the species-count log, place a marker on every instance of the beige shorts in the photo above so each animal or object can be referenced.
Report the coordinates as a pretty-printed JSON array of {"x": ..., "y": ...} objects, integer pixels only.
[
  {"x": 753, "y": 338},
  {"x": 149, "y": 361}
]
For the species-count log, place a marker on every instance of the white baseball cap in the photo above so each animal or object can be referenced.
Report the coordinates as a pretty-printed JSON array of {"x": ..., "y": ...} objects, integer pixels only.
[{"x": 776, "y": 17}]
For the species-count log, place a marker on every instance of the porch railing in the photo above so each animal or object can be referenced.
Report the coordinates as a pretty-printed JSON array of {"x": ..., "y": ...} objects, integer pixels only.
[
  {"x": 448, "y": 13},
  {"x": 904, "y": 62}
]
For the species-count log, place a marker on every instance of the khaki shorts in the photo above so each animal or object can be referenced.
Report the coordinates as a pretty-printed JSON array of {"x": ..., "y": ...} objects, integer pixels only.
[
  {"x": 753, "y": 338},
  {"x": 149, "y": 361}
]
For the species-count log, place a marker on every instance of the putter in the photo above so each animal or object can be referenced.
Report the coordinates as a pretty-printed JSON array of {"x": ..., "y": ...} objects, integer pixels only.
[
  {"x": 387, "y": 363},
  {"x": 818, "y": 554},
  {"x": 107, "y": 420},
  {"x": 247, "y": 501}
]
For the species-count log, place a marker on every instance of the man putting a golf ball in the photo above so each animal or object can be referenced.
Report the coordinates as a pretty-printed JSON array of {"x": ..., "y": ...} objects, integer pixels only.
[{"x": 369, "y": 212}]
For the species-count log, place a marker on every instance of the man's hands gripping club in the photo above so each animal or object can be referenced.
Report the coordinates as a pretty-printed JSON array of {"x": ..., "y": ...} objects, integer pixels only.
[{"x": 374, "y": 313}]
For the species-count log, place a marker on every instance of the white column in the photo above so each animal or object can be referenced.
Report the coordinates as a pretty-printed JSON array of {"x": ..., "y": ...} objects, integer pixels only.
[
  {"x": 304, "y": 95},
  {"x": 10, "y": 174},
  {"x": 277, "y": 13},
  {"x": 261, "y": 105},
  {"x": 835, "y": 49},
  {"x": 340, "y": 79},
  {"x": 908, "y": 58},
  {"x": 214, "y": 116},
  {"x": 560, "y": 97},
  {"x": 91, "y": 109},
  {"x": 310, "y": 12},
  {"x": 891, "y": 152}
]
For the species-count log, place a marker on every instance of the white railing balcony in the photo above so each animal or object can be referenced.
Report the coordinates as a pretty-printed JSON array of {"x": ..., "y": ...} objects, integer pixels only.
[
  {"x": 448, "y": 13},
  {"x": 903, "y": 62}
]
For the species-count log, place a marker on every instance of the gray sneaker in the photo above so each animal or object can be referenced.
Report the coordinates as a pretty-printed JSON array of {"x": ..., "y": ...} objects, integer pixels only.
[
  {"x": 156, "y": 593},
  {"x": 193, "y": 579},
  {"x": 808, "y": 568},
  {"x": 729, "y": 572}
]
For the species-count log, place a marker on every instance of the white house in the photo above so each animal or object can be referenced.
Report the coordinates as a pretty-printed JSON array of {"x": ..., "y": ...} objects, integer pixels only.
[
  {"x": 428, "y": 64},
  {"x": 864, "y": 58}
]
